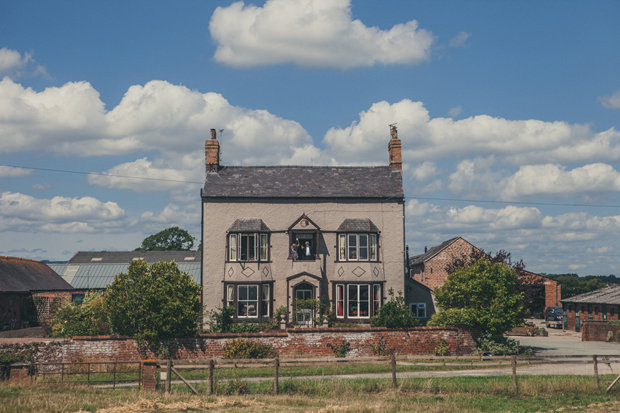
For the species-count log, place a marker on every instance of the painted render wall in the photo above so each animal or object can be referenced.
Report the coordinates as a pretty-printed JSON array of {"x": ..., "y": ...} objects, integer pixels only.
[{"x": 279, "y": 215}]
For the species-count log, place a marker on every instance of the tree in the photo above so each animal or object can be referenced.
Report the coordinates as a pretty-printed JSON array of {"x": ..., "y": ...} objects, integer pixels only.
[
  {"x": 573, "y": 285},
  {"x": 394, "y": 313},
  {"x": 483, "y": 295},
  {"x": 171, "y": 239},
  {"x": 153, "y": 302}
]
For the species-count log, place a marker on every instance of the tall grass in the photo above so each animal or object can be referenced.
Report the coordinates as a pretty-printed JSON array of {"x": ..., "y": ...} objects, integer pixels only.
[{"x": 456, "y": 394}]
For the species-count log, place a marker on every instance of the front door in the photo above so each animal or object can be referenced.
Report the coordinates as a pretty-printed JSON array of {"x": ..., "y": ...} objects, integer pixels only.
[{"x": 303, "y": 291}]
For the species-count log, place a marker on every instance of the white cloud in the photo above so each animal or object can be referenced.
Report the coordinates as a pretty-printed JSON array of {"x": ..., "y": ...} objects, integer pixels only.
[
  {"x": 41, "y": 187},
  {"x": 516, "y": 142},
  {"x": 19, "y": 212},
  {"x": 460, "y": 40},
  {"x": 424, "y": 171},
  {"x": 311, "y": 33},
  {"x": 611, "y": 102},
  {"x": 474, "y": 176},
  {"x": 13, "y": 65},
  {"x": 454, "y": 112},
  {"x": 11, "y": 172}
]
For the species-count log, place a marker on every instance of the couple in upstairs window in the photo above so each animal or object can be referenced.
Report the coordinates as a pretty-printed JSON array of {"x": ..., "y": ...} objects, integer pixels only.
[{"x": 301, "y": 250}]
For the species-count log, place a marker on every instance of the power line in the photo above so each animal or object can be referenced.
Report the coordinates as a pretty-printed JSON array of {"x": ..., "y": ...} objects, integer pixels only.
[{"x": 407, "y": 197}]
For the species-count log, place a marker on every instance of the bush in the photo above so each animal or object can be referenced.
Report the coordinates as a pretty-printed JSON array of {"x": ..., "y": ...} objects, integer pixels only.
[
  {"x": 394, "y": 314},
  {"x": 380, "y": 348},
  {"x": 221, "y": 321},
  {"x": 153, "y": 302},
  {"x": 496, "y": 346},
  {"x": 320, "y": 311},
  {"x": 441, "y": 348},
  {"x": 243, "y": 349},
  {"x": 88, "y": 318},
  {"x": 6, "y": 359},
  {"x": 340, "y": 350}
]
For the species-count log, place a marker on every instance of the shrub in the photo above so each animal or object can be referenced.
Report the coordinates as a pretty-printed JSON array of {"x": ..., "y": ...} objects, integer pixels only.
[
  {"x": 153, "y": 302},
  {"x": 6, "y": 359},
  {"x": 380, "y": 348},
  {"x": 441, "y": 348},
  {"x": 496, "y": 346},
  {"x": 88, "y": 318},
  {"x": 244, "y": 349},
  {"x": 394, "y": 314},
  {"x": 320, "y": 310},
  {"x": 220, "y": 320},
  {"x": 340, "y": 350}
]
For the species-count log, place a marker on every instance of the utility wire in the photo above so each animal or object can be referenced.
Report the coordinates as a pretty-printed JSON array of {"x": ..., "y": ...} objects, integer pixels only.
[{"x": 407, "y": 197}]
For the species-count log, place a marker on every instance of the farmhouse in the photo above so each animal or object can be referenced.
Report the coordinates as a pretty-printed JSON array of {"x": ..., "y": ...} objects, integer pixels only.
[{"x": 274, "y": 234}]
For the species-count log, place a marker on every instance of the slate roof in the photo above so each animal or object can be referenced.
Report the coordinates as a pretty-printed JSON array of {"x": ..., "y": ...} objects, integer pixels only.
[
  {"x": 419, "y": 259},
  {"x": 304, "y": 182},
  {"x": 98, "y": 276},
  {"x": 606, "y": 295},
  {"x": 125, "y": 257},
  {"x": 248, "y": 225},
  {"x": 352, "y": 224},
  {"x": 20, "y": 275}
]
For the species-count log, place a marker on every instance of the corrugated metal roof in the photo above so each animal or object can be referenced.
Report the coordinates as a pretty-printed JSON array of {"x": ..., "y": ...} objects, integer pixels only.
[
  {"x": 125, "y": 257},
  {"x": 606, "y": 295},
  {"x": 99, "y": 276}
]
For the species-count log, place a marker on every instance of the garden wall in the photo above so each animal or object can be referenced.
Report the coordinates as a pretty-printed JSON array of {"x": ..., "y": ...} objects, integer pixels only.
[
  {"x": 300, "y": 342},
  {"x": 598, "y": 331}
]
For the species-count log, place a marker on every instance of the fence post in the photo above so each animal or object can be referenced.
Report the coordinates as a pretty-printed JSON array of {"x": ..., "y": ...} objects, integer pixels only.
[
  {"x": 168, "y": 375},
  {"x": 88, "y": 373},
  {"x": 276, "y": 367},
  {"x": 595, "y": 362},
  {"x": 114, "y": 384},
  {"x": 210, "y": 382},
  {"x": 62, "y": 372},
  {"x": 514, "y": 374},
  {"x": 394, "y": 384}
]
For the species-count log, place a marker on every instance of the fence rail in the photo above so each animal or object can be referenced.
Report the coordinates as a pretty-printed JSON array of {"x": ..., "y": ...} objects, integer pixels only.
[{"x": 89, "y": 373}]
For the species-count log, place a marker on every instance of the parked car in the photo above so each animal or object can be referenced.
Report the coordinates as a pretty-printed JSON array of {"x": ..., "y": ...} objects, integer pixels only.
[{"x": 553, "y": 317}]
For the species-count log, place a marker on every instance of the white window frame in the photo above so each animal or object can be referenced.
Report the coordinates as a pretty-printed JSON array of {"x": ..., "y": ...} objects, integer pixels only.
[
  {"x": 260, "y": 250},
  {"x": 248, "y": 300},
  {"x": 359, "y": 301},
  {"x": 417, "y": 307},
  {"x": 349, "y": 252}
]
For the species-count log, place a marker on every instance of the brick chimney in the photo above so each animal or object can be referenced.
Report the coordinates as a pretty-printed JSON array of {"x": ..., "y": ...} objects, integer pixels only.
[
  {"x": 212, "y": 153},
  {"x": 396, "y": 159}
]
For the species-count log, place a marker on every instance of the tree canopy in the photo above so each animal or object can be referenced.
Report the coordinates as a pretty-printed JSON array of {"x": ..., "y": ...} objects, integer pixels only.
[
  {"x": 171, "y": 239},
  {"x": 153, "y": 302},
  {"x": 394, "y": 313},
  {"x": 482, "y": 294},
  {"x": 574, "y": 285}
]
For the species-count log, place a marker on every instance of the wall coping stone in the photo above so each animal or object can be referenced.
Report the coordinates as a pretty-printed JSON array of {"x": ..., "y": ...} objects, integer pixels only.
[{"x": 100, "y": 338}]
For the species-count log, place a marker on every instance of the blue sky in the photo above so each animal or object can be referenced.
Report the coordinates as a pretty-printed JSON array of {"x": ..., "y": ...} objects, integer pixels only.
[{"x": 508, "y": 113}]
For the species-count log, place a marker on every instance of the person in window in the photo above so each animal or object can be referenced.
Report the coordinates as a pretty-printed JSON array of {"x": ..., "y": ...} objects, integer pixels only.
[
  {"x": 300, "y": 249},
  {"x": 294, "y": 251},
  {"x": 307, "y": 251}
]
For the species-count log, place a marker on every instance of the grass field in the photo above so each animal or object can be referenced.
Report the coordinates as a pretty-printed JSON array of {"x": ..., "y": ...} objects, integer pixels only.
[{"x": 457, "y": 394}]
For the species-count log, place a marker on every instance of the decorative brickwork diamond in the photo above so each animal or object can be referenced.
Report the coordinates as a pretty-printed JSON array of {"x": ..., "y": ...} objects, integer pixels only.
[
  {"x": 376, "y": 272},
  {"x": 248, "y": 272},
  {"x": 265, "y": 271},
  {"x": 340, "y": 272},
  {"x": 231, "y": 272},
  {"x": 359, "y": 271}
]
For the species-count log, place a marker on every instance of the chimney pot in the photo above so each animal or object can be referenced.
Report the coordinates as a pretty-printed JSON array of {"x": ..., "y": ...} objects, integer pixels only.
[{"x": 425, "y": 249}]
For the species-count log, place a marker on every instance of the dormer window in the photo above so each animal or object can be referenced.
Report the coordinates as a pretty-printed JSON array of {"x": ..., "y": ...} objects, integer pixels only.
[
  {"x": 355, "y": 245},
  {"x": 248, "y": 240}
]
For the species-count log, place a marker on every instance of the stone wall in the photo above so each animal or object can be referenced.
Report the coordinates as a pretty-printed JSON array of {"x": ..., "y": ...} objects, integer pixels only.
[{"x": 306, "y": 342}]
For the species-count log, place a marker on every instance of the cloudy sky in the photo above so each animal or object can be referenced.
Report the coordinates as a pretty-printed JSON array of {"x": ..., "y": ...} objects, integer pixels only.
[{"x": 508, "y": 112}]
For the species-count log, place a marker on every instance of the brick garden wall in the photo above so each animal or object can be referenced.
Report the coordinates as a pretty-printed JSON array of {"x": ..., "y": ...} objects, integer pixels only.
[
  {"x": 597, "y": 331},
  {"x": 308, "y": 342}
]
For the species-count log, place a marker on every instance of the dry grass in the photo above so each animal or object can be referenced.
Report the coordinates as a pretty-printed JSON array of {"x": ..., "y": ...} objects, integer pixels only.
[{"x": 459, "y": 394}]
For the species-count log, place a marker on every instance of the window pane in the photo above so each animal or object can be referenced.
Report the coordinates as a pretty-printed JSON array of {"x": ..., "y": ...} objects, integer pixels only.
[
  {"x": 229, "y": 295},
  {"x": 263, "y": 247},
  {"x": 242, "y": 309},
  {"x": 244, "y": 247},
  {"x": 253, "y": 292},
  {"x": 265, "y": 301},
  {"x": 252, "y": 306},
  {"x": 243, "y": 292},
  {"x": 352, "y": 247},
  {"x": 422, "y": 310},
  {"x": 376, "y": 297},
  {"x": 252, "y": 247},
  {"x": 363, "y": 247},
  {"x": 373, "y": 247},
  {"x": 340, "y": 301},
  {"x": 233, "y": 247},
  {"x": 352, "y": 302},
  {"x": 342, "y": 247}
]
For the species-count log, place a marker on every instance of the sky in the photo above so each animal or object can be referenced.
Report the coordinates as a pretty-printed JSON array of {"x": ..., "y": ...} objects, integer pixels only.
[{"x": 508, "y": 113}]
